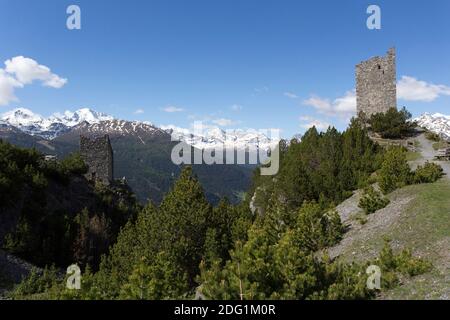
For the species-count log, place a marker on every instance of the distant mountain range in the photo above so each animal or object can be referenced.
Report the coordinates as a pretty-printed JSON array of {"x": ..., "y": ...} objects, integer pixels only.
[
  {"x": 141, "y": 150},
  {"x": 53, "y": 126},
  {"x": 97, "y": 122},
  {"x": 437, "y": 123}
]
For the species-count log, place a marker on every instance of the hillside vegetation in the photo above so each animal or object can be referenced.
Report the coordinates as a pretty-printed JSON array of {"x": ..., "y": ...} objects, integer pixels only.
[
  {"x": 286, "y": 240},
  {"x": 50, "y": 214},
  {"x": 417, "y": 217}
]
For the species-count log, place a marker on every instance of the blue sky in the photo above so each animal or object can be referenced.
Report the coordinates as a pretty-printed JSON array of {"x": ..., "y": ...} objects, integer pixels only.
[{"x": 235, "y": 63}]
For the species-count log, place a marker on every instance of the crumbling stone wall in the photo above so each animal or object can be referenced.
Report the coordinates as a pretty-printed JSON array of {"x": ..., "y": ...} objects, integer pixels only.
[
  {"x": 98, "y": 155},
  {"x": 376, "y": 88}
]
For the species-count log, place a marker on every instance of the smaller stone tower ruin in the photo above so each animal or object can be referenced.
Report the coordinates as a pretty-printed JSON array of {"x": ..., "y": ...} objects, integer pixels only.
[
  {"x": 97, "y": 153},
  {"x": 376, "y": 87}
]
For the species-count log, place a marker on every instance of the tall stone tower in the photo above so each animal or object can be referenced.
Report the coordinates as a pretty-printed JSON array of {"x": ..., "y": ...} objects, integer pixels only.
[
  {"x": 97, "y": 153},
  {"x": 376, "y": 88}
]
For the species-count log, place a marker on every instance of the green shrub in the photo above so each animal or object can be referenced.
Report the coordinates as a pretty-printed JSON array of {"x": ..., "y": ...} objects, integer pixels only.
[
  {"x": 318, "y": 228},
  {"x": 393, "y": 124},
  {"x": 361, "y": 218},
  {"x": 36, "y": 283},
  {"x": 387, "y": 257},
  {"x": 372, "y": 200},
  {"x": 39, "y": 181},
  {"x": 440, "y": 145},
  {"x": 372, "y": 179},
  {"x": 428, "y": 173},
  {"x": 74, "y": 164},
  {"x": 395, "y": 171},
  {"x": 432, "y": 136},
  {"x": 404, "y": 262},
  {"x": 407, "y": 264}
]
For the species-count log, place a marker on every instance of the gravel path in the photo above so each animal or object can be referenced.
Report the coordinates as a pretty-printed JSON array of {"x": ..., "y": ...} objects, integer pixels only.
[
  {"x": 428, "y": 154},
  {"x": 349, "y": 210},
  {"x": 358, "y": 242}
]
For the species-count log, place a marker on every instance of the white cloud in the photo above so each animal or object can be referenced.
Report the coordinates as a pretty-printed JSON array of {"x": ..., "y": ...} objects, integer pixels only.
[
  {"x": 344, "y": 106},
  {"x": 223, "y": 122},
  {"x": 306, "y": 118},
  {"x": 139, "y": 111},
  {"x": 411, "y": 89},
  {"x": 27, "y": 70},
  {"x": 309, "y": 122},
  {"x": 258, "y": 91},
  {"x": 172, "y": 109},
  {"x": 7, "y": 87},
  {"x": 320, "y": 104},
  {"x": 236, "y": 107},
  {"x": 290, "y": 95},
  {"x": 20, "y": 71}
]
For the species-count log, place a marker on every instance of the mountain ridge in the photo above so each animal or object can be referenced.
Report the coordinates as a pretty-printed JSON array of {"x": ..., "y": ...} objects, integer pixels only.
[
  {"x": 52, "y": 126},
  {"x": 142, "y": 152},
  {"x": 57, "y": 124},
  {"x": 435, "y": 122}
]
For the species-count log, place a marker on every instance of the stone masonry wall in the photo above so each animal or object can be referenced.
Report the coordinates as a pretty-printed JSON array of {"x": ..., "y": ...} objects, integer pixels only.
[
  {"x": 376, "y": 89},
  {"x": 98, "y": 155}
]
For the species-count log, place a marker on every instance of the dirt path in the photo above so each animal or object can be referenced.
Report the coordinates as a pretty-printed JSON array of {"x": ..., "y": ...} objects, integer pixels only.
[
  {"x": 349, "y": 210},
  {"x": 416, "y": 218},
  {"x": 428, "y": 153}
]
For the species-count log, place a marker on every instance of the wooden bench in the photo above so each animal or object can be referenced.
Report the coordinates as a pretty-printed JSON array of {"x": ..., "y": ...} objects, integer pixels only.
[{"x": 443, "y": 154}]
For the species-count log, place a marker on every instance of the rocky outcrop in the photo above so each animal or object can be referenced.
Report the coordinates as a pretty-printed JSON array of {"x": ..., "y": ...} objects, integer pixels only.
[{"x": 14, "y": 268}]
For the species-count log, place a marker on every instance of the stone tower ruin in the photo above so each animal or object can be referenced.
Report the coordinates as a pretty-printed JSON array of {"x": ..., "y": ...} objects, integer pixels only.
[
  {"x": 376, "y": 88},
  {"x": 97, "y": 153}
]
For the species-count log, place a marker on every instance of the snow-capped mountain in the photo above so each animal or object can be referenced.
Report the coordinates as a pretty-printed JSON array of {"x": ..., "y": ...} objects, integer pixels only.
[
  {"x": 72, "y": 119},
  {"x": 140, "y": 130},
  {"x": 53, "y": 126},
  {"x": 21, "y": 117},
  {"x": 214, "y": 137},
  {"x": 437, "y": 123},
  {"x": 89, "y": 121},
  {"x": 142, "y": 151}
]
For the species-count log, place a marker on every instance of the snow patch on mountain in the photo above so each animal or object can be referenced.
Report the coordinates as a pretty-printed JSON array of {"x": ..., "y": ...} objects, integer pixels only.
[
  {"x": 118, "y": 127},
  {"x": 89, "y": 121},
  {"x": 216, "y": 138},
  {"x": 71, "y": 119},
  {"x": 437, "y": 123},
  {"x": 51, "y": 127}
]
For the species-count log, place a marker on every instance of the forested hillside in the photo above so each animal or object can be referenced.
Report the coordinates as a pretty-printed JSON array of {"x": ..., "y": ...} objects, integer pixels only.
[
  {"x": 271, "y": 246},
  {"x": 50, "y": 214},
  {"x": 142, "y": 154}
]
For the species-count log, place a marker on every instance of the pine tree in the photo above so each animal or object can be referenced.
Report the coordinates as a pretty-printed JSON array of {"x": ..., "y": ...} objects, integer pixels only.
[
  {"x": 157, "y": 280},
  {"x": 395, "y": 171},
  {"x": 178, "y": 228},
  {"x": 185, "y": 213},
  {"x": 137, "y": 239},
  {"x": 317, "y": 228}
]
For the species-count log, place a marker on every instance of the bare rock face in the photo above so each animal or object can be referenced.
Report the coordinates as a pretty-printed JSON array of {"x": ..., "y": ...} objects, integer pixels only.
[
  {"x": 376, "y": 88},
  {"x": 15, "y": 268}
]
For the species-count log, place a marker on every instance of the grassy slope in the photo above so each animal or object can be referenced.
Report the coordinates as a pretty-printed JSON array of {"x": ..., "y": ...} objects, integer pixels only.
[
  {"x": 413, "y": 156},
  {"x": 440, "y": 145},
  {"x": 423, "y": 225}
]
